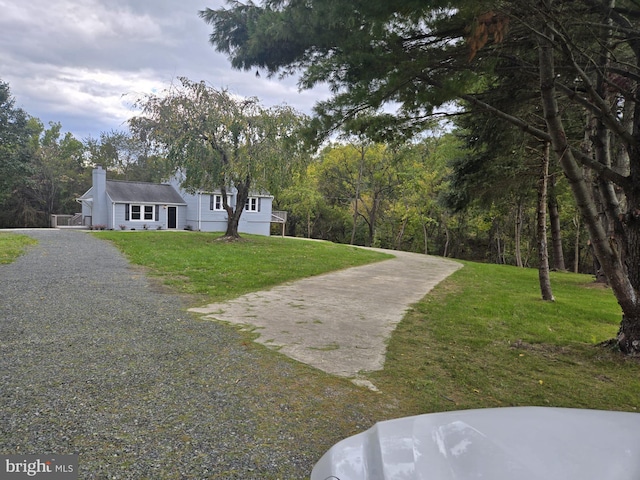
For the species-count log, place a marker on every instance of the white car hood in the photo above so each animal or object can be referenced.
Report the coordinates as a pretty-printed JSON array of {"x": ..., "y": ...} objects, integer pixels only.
[{"x": 519, "y": 443}]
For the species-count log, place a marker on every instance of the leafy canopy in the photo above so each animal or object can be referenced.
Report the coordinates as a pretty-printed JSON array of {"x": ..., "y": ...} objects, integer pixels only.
[
  {"x": 15, "y": 150},
  {"x": 218, "y": 139}
]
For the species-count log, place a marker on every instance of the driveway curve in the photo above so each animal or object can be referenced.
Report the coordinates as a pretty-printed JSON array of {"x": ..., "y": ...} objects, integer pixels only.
[
  {"x": 95, "y": 361},
  {"x": 338, "y": 322}
]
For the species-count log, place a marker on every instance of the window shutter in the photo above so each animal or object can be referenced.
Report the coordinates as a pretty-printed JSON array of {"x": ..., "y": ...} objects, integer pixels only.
[
  {"x": 259, "y": 199},
  {"x": 211, "y": 202},
  {"x": 126, "y": 212},
  {"x": 157, "y": 213}
]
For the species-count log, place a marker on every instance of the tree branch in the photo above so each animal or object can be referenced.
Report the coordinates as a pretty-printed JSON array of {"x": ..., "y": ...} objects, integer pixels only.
[
  {"x": 604, "y": 111},
  {"x": 586, "y": 160}
]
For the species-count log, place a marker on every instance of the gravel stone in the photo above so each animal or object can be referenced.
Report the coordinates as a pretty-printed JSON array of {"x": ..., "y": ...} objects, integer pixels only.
[{"x": 97, "y": 362}]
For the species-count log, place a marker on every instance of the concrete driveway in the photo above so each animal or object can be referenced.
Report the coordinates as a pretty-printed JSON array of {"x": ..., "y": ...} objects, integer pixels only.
[{"x": 338, "y": 322}]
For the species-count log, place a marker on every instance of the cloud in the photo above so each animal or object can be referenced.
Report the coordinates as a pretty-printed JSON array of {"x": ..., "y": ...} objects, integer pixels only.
[
  {"x": 86, "y": 33},
  {"x": 80, "y": 62}
]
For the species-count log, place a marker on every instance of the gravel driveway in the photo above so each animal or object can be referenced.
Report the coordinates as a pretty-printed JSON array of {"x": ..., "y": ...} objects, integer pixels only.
[{"x": 95, "y": 361}]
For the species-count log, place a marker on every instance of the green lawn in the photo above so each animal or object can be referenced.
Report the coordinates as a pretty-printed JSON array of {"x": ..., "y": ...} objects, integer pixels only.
[
  {"x": 12, "y": 245},
  {"x": 482, "y": 338},
  {"x": 199, "y": 264}
]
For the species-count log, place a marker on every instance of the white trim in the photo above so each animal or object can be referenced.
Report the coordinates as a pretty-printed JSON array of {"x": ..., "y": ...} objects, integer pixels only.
[
  {"x": 143, "y": 212},
  {"x": 252, "y": 205},
  {"x": 213, "y": 202}
]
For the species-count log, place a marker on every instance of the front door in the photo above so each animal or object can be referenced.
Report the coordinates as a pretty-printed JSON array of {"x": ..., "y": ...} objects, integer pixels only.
[{"x": 172, "y": 217}]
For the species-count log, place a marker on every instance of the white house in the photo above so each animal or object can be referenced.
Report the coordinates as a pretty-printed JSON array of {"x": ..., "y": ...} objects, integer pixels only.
[{"x": 117, "y": 204}]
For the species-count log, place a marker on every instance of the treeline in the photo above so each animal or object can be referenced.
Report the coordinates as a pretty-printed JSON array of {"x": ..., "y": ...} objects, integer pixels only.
[
  {"x": 43, "y": 171},
  {"x": 440, "y": 196},
  {"x": 432, "y": 197}
]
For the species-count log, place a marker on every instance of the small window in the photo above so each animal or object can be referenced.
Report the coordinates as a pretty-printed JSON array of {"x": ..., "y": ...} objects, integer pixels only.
[
  {"x": 140, "y": 213},
  {"x": 216, "y": 202},
  {"x": 252, "y": 204}
]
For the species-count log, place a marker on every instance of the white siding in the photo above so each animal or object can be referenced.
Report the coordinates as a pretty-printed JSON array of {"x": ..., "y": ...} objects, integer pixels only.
[
  {"x": 196, "y": 214},
  {"x": 258, "y": 223},
  {"x": 201, "y": 217},
  {"x": 119, "y": 218}
]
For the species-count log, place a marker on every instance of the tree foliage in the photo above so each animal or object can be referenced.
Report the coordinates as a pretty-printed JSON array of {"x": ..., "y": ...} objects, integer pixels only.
[
  {"x": 363, "y": 176},
  {"x": 15, "y": 147},
  {"x": 419, "y": 55},
  {"x": 303, "y": 199},
  {"x": 125, "y": 157},
  {"x": 52, "y": 176},
  {"x": 369, "y": 53},
  {"x": 220, "y": 141},
  {"x": 60, "y": 174}
]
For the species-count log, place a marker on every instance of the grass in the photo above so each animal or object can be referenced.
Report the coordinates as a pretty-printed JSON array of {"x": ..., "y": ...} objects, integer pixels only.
[
  {"x": 13, "y": 245},
  {"x": 197, "y": 263},
  {"x": 482, "y": 338}
]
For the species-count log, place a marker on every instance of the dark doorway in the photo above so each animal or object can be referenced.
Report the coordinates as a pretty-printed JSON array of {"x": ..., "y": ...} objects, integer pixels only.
[{"x": 172, "y": 217}]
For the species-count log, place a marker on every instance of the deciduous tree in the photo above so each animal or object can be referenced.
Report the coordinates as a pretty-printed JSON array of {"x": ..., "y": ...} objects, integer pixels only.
[
  {"x": 364, "y": 176},
  {"x": 60, "y": 174},
  {"x": 220, "y": 141},
  {"x": 303, "y": 200},
  {"x": 126, "y": 157},
  {"x": 16, "y": 153}
]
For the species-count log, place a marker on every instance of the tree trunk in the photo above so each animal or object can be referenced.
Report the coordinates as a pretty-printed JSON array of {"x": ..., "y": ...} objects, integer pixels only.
[
  {"x": 424, "y": 232},
  {"x": 627, "y": 230},
  {"x": 623, "y": 283},
  {"x": 357, "y": 197},
  {"x": 543, "y": 254},
  {"x": 373, "y": 218},
  {"x": 556, "y": 229},
  {"x": 499, "y": 245},
  {"x": 446, "y": 243},
  {"x": 355, "y": 222},
  {"x": 518, "y": 235},
  {"x": 576, "y": 245},
  {"x": 400, "y": 236},
  {"x": 234, "y": 214}
]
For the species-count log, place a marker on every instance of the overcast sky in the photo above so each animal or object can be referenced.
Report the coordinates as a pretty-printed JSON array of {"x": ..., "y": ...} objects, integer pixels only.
[{"x": 81, "y": 62}]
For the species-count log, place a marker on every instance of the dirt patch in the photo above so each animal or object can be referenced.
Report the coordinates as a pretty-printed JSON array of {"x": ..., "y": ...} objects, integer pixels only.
[
  {"x": 542, "y": 348},
  {"x": 230, "y": 239}
]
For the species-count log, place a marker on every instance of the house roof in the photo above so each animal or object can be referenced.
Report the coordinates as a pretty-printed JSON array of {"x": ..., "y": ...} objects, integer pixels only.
[{"x": 140, "y": 192}]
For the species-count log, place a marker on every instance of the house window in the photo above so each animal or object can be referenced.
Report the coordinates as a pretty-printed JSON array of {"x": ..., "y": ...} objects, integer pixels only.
[
  {"x": 142, "y": 213},
  {"x": 216, "y": 202},
  {"x": 252, "y": 204}
]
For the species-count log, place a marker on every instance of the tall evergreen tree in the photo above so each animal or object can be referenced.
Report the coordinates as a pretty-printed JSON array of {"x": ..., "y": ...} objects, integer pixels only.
[
  {"x": 419, "y": 55},
  {"x": 220, "y": 142}
]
